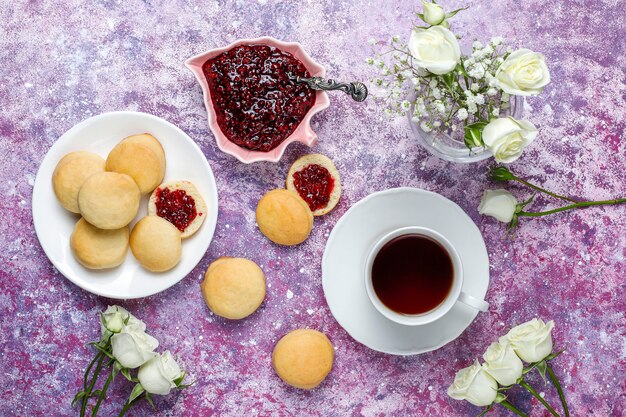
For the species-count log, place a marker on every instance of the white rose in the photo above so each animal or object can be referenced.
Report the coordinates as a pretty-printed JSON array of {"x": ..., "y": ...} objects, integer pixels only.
[
  {"x": 532, "y": 341},
  {"x": 158, "y": 374},
  {"x": 115, "y": 318},
  {"x": 433, "y": 13},
  {"x": 502, "y": 363},
  {"x": 435, "y": 49},
  {"x": 523, "y": 73},
  {"x": 132, "y": 347},
  {"x": 506, "y": 137},
  {"x": 500, "y": 204},
  {"x": 474, "y": 385}
]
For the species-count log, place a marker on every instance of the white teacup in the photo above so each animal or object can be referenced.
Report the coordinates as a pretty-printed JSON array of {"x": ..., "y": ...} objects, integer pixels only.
[{"x": 455, "y": 294}]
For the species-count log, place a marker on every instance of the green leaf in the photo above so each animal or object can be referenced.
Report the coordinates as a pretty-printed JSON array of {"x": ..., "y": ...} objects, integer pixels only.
[
  {"x": 454, "y": 12},
  {"x": 126, "y": 373},
  {"x": 78, "y": 396},
  {"x": 136, "y": 392},
  {"x": 448, "y": 79},
  {"x": 485, "y": 411},
  {"x": 541, "y": 367},
  {"x": 500, "y": 398},
  {"x": 501, "y": 173},
  {"x": 553, "y": 355},
  {"x": 474, "y": 134},
  {"x": 149, "y": 399},
  {"x": 179, "y": 380},
  {"x": 520, "y": 206}
]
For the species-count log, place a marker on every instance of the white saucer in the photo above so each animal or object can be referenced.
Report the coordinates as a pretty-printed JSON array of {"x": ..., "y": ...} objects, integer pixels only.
[
  {"x": 54, "y": 224},
  {"x": 345, "y": 255}
]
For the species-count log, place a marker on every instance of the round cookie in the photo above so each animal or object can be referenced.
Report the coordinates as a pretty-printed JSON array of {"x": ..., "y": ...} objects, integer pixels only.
[
  {"x": 70, "y": 174},
  {"x": 303, "y": 358},
  {"x": 233, "y": 287},
  {"x": 152, "y": 143},
  {"x": 96, "y": 248},
  {"x": 283, "y": 217},
  {"x": 138, "y": 161},
  {"x": 316, "y": 180},
  {"x": 177, "y": 200},
  {"x": 156, "y": 243},
  {"x": 109, "y": 200}
]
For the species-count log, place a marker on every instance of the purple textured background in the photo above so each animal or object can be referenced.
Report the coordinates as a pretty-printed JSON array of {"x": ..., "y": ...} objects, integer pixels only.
[{"x": 62, "y": 62}]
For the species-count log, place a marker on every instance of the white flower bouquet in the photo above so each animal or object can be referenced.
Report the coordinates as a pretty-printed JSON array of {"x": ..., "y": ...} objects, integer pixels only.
[
  {"x": 461, "y": 95},
  {"x": 484, "y": 385},
  {"x": 125, "y": 346}
]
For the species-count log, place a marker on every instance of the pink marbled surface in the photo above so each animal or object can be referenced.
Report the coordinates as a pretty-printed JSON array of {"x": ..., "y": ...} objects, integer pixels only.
[{"x": 62, "y": 62}]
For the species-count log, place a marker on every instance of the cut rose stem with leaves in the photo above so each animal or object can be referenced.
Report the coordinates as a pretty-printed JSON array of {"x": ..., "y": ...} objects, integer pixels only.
[
  {"x": 559, "y": 389},
  {"x": 530, "y": 389}
]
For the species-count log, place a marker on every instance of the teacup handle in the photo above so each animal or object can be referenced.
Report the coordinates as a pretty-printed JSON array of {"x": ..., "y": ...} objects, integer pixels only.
[{"x": 473, "y": 302}]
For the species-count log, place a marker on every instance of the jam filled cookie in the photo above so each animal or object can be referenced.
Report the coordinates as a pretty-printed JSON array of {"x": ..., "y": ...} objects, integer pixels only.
[
  {"x": 179, "y": 203},
  {"x": 316, "y": 180}
]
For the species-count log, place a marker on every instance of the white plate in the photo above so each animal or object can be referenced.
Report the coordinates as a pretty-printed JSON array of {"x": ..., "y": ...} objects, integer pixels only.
[
  {"x": 344, "y": 262},
  {"x": 54, "y": 224}
]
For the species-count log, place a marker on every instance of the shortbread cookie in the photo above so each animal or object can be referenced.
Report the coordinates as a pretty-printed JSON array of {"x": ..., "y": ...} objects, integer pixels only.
[
  {"x": 179, "y": 203},
  {"x": 316, "y": 180},
  {"x": 303, "y": 358},
  {"x": 97, "y": 248},
  {"x": 156, "y": 244},
  {"x": 138, "y": 161},
  {"x": 109, "y": 200},
  {"x": 70, "y": 174},
  {"x": 233, "y": 287},
  {"x": 283, "y": 217},
  {"x": 152, "y": 143}
]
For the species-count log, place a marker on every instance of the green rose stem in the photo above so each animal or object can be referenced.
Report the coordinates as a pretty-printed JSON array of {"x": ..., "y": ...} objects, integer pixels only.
[
  {"x": 500, "y": 173},
  {"x": 571, "y": 206},
  {"x": 557, "y": 384},
  {"x": 83, "y": 408},
  {"x": 513, "y": 408},
  {"x": 104, "y": 389},
  {"x": 536, "y": 395}
]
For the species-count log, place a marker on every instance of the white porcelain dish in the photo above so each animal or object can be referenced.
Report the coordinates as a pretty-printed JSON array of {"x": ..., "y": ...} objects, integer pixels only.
[
  {"x": 54, "y": 224},
  {"x": 352, "y": 238}
]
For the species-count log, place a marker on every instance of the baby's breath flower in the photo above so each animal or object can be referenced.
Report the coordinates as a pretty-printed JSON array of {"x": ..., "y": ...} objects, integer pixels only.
[
  {"x": 505, "y": 97},
  {"x": 372, "y": 41},
  {"x": 477, "y": 45},
  {"x": 388, "y": 111},
  {"x": 395, "y": 39},
  {"x": 425, "y": 126},
  {"x": 405, "y": 105},
  {"x": 432, "y": 83},
  {"x": 472, "y": 108},
  {"x": 436, "y": 93},
  {"x": 380, "y": 64},
  {"x": 436, "y": 123},
  {"x": 479, "y": 99},
  {"x": 495, "y": 112},
  {"x": 462, "y": 114},
  {"x": 475, "y": 87},
  {"x": 492, "y": 91},
  {"x": 439, "y": 106},
  {"x": 497, "y": 40}
]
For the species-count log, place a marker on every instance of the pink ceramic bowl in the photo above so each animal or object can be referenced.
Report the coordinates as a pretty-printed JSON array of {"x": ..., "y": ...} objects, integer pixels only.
[{"x": 303, "y": 132}]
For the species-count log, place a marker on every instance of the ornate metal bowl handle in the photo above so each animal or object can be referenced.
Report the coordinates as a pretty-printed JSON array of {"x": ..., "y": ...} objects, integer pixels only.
[{"x": 356, "y": 89}]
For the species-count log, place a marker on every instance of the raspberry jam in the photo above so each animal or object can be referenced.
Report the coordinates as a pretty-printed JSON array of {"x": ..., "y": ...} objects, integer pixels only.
[
  {"x": 177, "y": 207},
  {"x": 315, "y": 185},
  {"x": 256, "y": 104}
]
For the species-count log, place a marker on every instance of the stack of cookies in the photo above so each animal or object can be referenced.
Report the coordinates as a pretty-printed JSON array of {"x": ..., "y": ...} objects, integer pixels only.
[{"x": 107, "y": 195}]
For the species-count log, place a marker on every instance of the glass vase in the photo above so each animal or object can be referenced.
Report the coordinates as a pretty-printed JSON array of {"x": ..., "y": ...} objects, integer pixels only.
[{"x": 451, "y": 147}]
